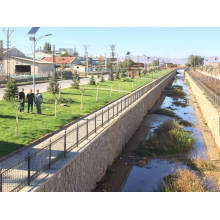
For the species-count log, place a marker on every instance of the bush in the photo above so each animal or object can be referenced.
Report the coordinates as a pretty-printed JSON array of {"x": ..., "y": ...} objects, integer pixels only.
[
  {"x": 53, "y": 85},
  {"x": 102, "y": 78},
  {"x": 75, "y": 84},
  {"x": 11, "y": 91},
  {"x": 183, "y": 181},
  {"x": 168, "y": 138},
  {"x": 117, "y": 75},
  {"x": 92, "y": 80}
]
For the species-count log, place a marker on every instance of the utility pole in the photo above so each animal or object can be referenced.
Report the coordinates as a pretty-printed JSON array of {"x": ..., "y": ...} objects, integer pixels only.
[
  {"x": 54, "y": 60},
  {"x": 86, "y": 57},
  {"x": 112, "y": 55},
  {"x": 8, "y": 35},
  {"x": 105, "y": 63}
]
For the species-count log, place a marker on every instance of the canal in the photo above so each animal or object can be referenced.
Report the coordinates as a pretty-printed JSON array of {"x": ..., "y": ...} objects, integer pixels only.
[{"x": 132, "y": 174}]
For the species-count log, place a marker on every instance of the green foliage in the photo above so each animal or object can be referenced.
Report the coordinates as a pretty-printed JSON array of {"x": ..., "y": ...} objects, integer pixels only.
[
  {"x": 11, "y": 91},
  {"x": 92, "y": 80},
  {"x": 75, "y": 53},
  {"x": 65, "y": 55},
  {"x": 102, "y": 78},
  {"x": 168, "y": 138},
  {"x": 75, "y": 84},
  {"x": 155, "y": 63},
  {"x": 195, "y": 60},
  {"x": 47, "y": 47},
  {"x": 53, "y": 85},
  {"x": 111, "y": 76},
  {"x": 117, "y": 75},
  {"x": 127, "y": 63}
]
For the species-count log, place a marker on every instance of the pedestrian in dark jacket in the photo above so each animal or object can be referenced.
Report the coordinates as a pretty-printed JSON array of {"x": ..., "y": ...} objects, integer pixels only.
[
  {"x": 39, "y": 100},
  {"x": 21, "y": 99},
  {"x": 31, "y": 100}
]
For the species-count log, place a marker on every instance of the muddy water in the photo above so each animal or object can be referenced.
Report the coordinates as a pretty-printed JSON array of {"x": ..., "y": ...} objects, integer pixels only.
[{"x": 129, "y": 176}]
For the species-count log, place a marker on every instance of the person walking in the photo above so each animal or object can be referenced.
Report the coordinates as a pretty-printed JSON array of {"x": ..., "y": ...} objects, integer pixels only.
[
  {"x": 31, "y": 100},
  {"x": 21, "y": 99},
  {"x": 39, "y": 100}
]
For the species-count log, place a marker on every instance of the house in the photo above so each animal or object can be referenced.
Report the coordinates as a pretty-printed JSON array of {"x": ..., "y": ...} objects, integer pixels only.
[
  {"x": 68, "y": 61},
  {"x": 14, "y": 62},
  {"x": 39, "y": 55}
]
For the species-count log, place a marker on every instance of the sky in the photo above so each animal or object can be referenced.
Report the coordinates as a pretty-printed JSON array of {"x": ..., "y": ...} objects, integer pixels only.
[{"x": 161, "y": 42}]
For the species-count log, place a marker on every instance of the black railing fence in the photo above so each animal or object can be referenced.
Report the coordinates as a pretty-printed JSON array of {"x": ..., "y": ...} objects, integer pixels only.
[
  {"x": 22, "y": 173},
  {"x": 213, "y": 97}
]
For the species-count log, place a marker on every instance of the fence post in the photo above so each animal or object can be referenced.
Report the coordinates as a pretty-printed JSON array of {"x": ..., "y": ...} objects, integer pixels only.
[
  {"x": 108, "y": 114},
  {"x": 29, "y": 169},
  {"x": 121, "y": 105},
  {"x": 117, "y": 108},
  {"x": 102, "y": 118},
  {"x": 1, "y": 188},
  {"x": 49, "y": 162},
  {"x": 95, "y": 123},
  {"x": 77, "y": 135},
  {"x": 87, "y": 128},
  {"x": 113, "y": 110},
  {"x": 65, "y": 143}
]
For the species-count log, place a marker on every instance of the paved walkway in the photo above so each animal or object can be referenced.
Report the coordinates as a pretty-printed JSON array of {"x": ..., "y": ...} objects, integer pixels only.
[{"x": 43, "y": 86}]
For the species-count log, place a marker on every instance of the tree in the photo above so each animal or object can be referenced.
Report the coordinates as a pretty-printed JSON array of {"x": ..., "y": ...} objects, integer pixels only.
[
  {"x": 47, "y": 47},
  {"x": 92, "y": 80},
  {"x": 195, "y": 60},
  {"x": 117, "y": 75},
  {"x": 75, "y": 84},
  {"x": 54, "y": 89},
  {"x": 65, "y": 55},
  {"x": 127, "y": 63},
  {"x": 11, "y": 91},
  {"x": 10, "y": 94},
  {"x": 75, "y": 53},
  {"x": 155, "y": 63}
]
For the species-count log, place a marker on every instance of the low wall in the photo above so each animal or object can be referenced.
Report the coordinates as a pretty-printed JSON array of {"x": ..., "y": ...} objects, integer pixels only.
[
  {"x": 209, "y": 111},
  {"x": 88, "y": 167}
]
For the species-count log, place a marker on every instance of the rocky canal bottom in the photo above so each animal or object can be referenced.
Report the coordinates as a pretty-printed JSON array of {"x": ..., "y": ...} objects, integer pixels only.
[{"x": 167, "y": 152}]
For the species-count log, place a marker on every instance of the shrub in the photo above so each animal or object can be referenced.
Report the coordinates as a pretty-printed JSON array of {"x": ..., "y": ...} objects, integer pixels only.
[
  {"x": 168, "y": 138},
  {"x": 117, "y": 75},
  {"x": 183, "y": 181},
  {"x": 11, "y": 91},
  {"x": 53, "y": 85},
  {"x": 92, "y": 80},
  {"x": 102, "y": 78},
  {"x": 75, "y": 84}
]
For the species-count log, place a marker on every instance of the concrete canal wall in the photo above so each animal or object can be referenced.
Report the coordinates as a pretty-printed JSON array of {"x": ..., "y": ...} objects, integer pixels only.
[
  {"x": 209, "y": 111},
  {"x": 86, "y": 168}
]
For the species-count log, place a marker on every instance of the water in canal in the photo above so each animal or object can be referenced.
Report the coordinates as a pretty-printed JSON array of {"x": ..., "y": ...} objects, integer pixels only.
[{"x": 128, "y": 176}]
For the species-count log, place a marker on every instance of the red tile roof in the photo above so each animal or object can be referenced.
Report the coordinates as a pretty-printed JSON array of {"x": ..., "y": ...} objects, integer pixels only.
[{"x": 60, "y": 59}]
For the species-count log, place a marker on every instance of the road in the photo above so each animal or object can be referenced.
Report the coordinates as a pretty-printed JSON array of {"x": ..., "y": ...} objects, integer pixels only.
[{"x": 43, "y": 86}]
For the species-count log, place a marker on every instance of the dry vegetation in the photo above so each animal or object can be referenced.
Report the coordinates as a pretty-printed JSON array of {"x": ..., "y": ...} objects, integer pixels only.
[{"x": 183, "y": 180}]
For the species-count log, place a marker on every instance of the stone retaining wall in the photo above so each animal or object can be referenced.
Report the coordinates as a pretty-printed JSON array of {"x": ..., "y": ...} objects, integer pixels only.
[
  {"x": 209, "y": 111},
  {"x": 88, "y": 167}
]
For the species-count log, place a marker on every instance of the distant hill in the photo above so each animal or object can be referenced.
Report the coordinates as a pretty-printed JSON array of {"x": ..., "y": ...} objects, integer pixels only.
[{"x": 180, "y": 61}]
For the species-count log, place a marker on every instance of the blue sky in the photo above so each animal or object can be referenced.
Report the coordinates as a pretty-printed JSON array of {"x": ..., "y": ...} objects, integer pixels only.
[{"x": 163, "y": 42}]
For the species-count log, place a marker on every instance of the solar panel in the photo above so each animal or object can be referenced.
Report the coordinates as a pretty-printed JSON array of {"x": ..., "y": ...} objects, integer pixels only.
[{"x": 33, "y": 30}]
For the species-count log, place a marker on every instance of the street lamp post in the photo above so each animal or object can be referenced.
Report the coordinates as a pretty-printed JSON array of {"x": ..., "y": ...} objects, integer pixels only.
[{"x": 35, "y": 41}]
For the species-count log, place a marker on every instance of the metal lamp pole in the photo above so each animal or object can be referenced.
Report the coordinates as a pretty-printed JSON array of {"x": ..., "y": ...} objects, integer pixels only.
[{"x": 35, "y": 43}]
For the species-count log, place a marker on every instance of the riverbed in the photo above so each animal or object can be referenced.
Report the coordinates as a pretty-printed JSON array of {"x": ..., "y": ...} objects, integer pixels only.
[{"x": 127, "y": 175}]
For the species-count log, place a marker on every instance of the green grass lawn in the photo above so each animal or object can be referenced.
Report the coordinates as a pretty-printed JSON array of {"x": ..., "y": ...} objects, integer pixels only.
[{"x": 34, "y": 126}]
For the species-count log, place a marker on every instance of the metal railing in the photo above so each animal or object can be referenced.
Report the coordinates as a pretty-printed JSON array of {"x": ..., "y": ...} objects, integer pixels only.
[
  {"x": 214, "y": 98},
  {"x": 22, "y": 173}
]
